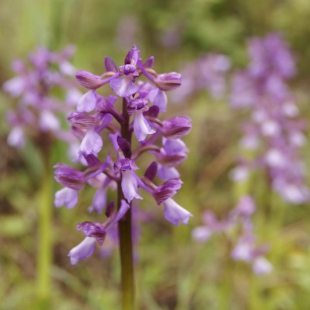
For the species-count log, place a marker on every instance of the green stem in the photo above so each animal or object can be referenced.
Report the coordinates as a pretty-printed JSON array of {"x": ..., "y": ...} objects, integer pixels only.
[
  {"x": 225, "y": 290},
  {"x": 125, "y": 238},
  {"x": 44, "y": 251}
]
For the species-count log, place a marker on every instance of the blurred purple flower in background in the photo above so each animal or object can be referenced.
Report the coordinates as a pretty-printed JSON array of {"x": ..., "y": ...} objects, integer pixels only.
[
  {"x": 37, "y": 86},
  {"x": 238, "y": 223},
  {"x": 95, "y": 114},
  {"x": 206, "y": 73},
  {"x": 274, "y": 131}
]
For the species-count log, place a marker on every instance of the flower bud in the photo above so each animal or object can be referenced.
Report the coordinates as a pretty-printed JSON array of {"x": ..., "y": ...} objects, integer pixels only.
[
  {"x": 69, "y": 177},
  {"x": 151, "y": 171},
  {"x": 176, "y": 127},
  {"x": 168, "y": 81},
  {"x": 124, "y": 145},
  {"x": 88, "y": 80}
]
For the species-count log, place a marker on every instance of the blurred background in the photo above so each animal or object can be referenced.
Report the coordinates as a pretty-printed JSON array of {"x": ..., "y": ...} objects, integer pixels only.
[{"x": 173, "y": 271}]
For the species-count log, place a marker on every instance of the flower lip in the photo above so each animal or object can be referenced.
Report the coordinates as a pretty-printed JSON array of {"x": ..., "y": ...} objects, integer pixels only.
[
  {"x": 87, "y": 102},
  {"x": 174, "y": 213},
  {"x": 124, "y": 87},
  {"x": 83, "y": 250}
]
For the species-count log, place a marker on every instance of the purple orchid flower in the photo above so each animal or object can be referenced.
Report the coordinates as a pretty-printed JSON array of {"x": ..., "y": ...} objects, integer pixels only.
[
  {"x": 246, "y": 247},
  {"x": 142, "y": 103},
  {"x": 273, "y": 131},
  {"x": 38, "y": 108}
]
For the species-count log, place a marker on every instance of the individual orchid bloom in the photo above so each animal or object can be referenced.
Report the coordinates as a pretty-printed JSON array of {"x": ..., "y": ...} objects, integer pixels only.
[
  {"x": 166, "y": 190},
  {"x": 73, "y": 180},
  {"x": 172, "y": 154},
  {"x": 124, "y": 85},
  {"x": 129, "y": 182},
  {"x": 96, "y": 233},
  {"x": 173, "y": 212}
]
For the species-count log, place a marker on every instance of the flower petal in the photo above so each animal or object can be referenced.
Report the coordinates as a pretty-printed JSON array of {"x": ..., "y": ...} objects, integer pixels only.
[
  {"x": 129, "y": 186},
  {"x": 66, "y": 197},
  {"x": 16, "y": 137},
  {"x": 141, "y": 126},
  {"x": 87, "y": 102},
  {"x": 91, "y": 143},
  {"x": 175, "y": 213},
  {"x": 159, "y": 98},
  {"x": 83, "y": 250},
  {"x": 123, "y": 87},
  {"x": 99, "y": 201}
]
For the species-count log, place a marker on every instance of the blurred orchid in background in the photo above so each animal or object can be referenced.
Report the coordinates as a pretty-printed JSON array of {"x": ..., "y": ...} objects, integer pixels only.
[
  {"x": 46, "y": 90},
  {"x": 274, "y": 132},
  {"x": 207, "y": 73},
  {"x": 237, "y": 223}
]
